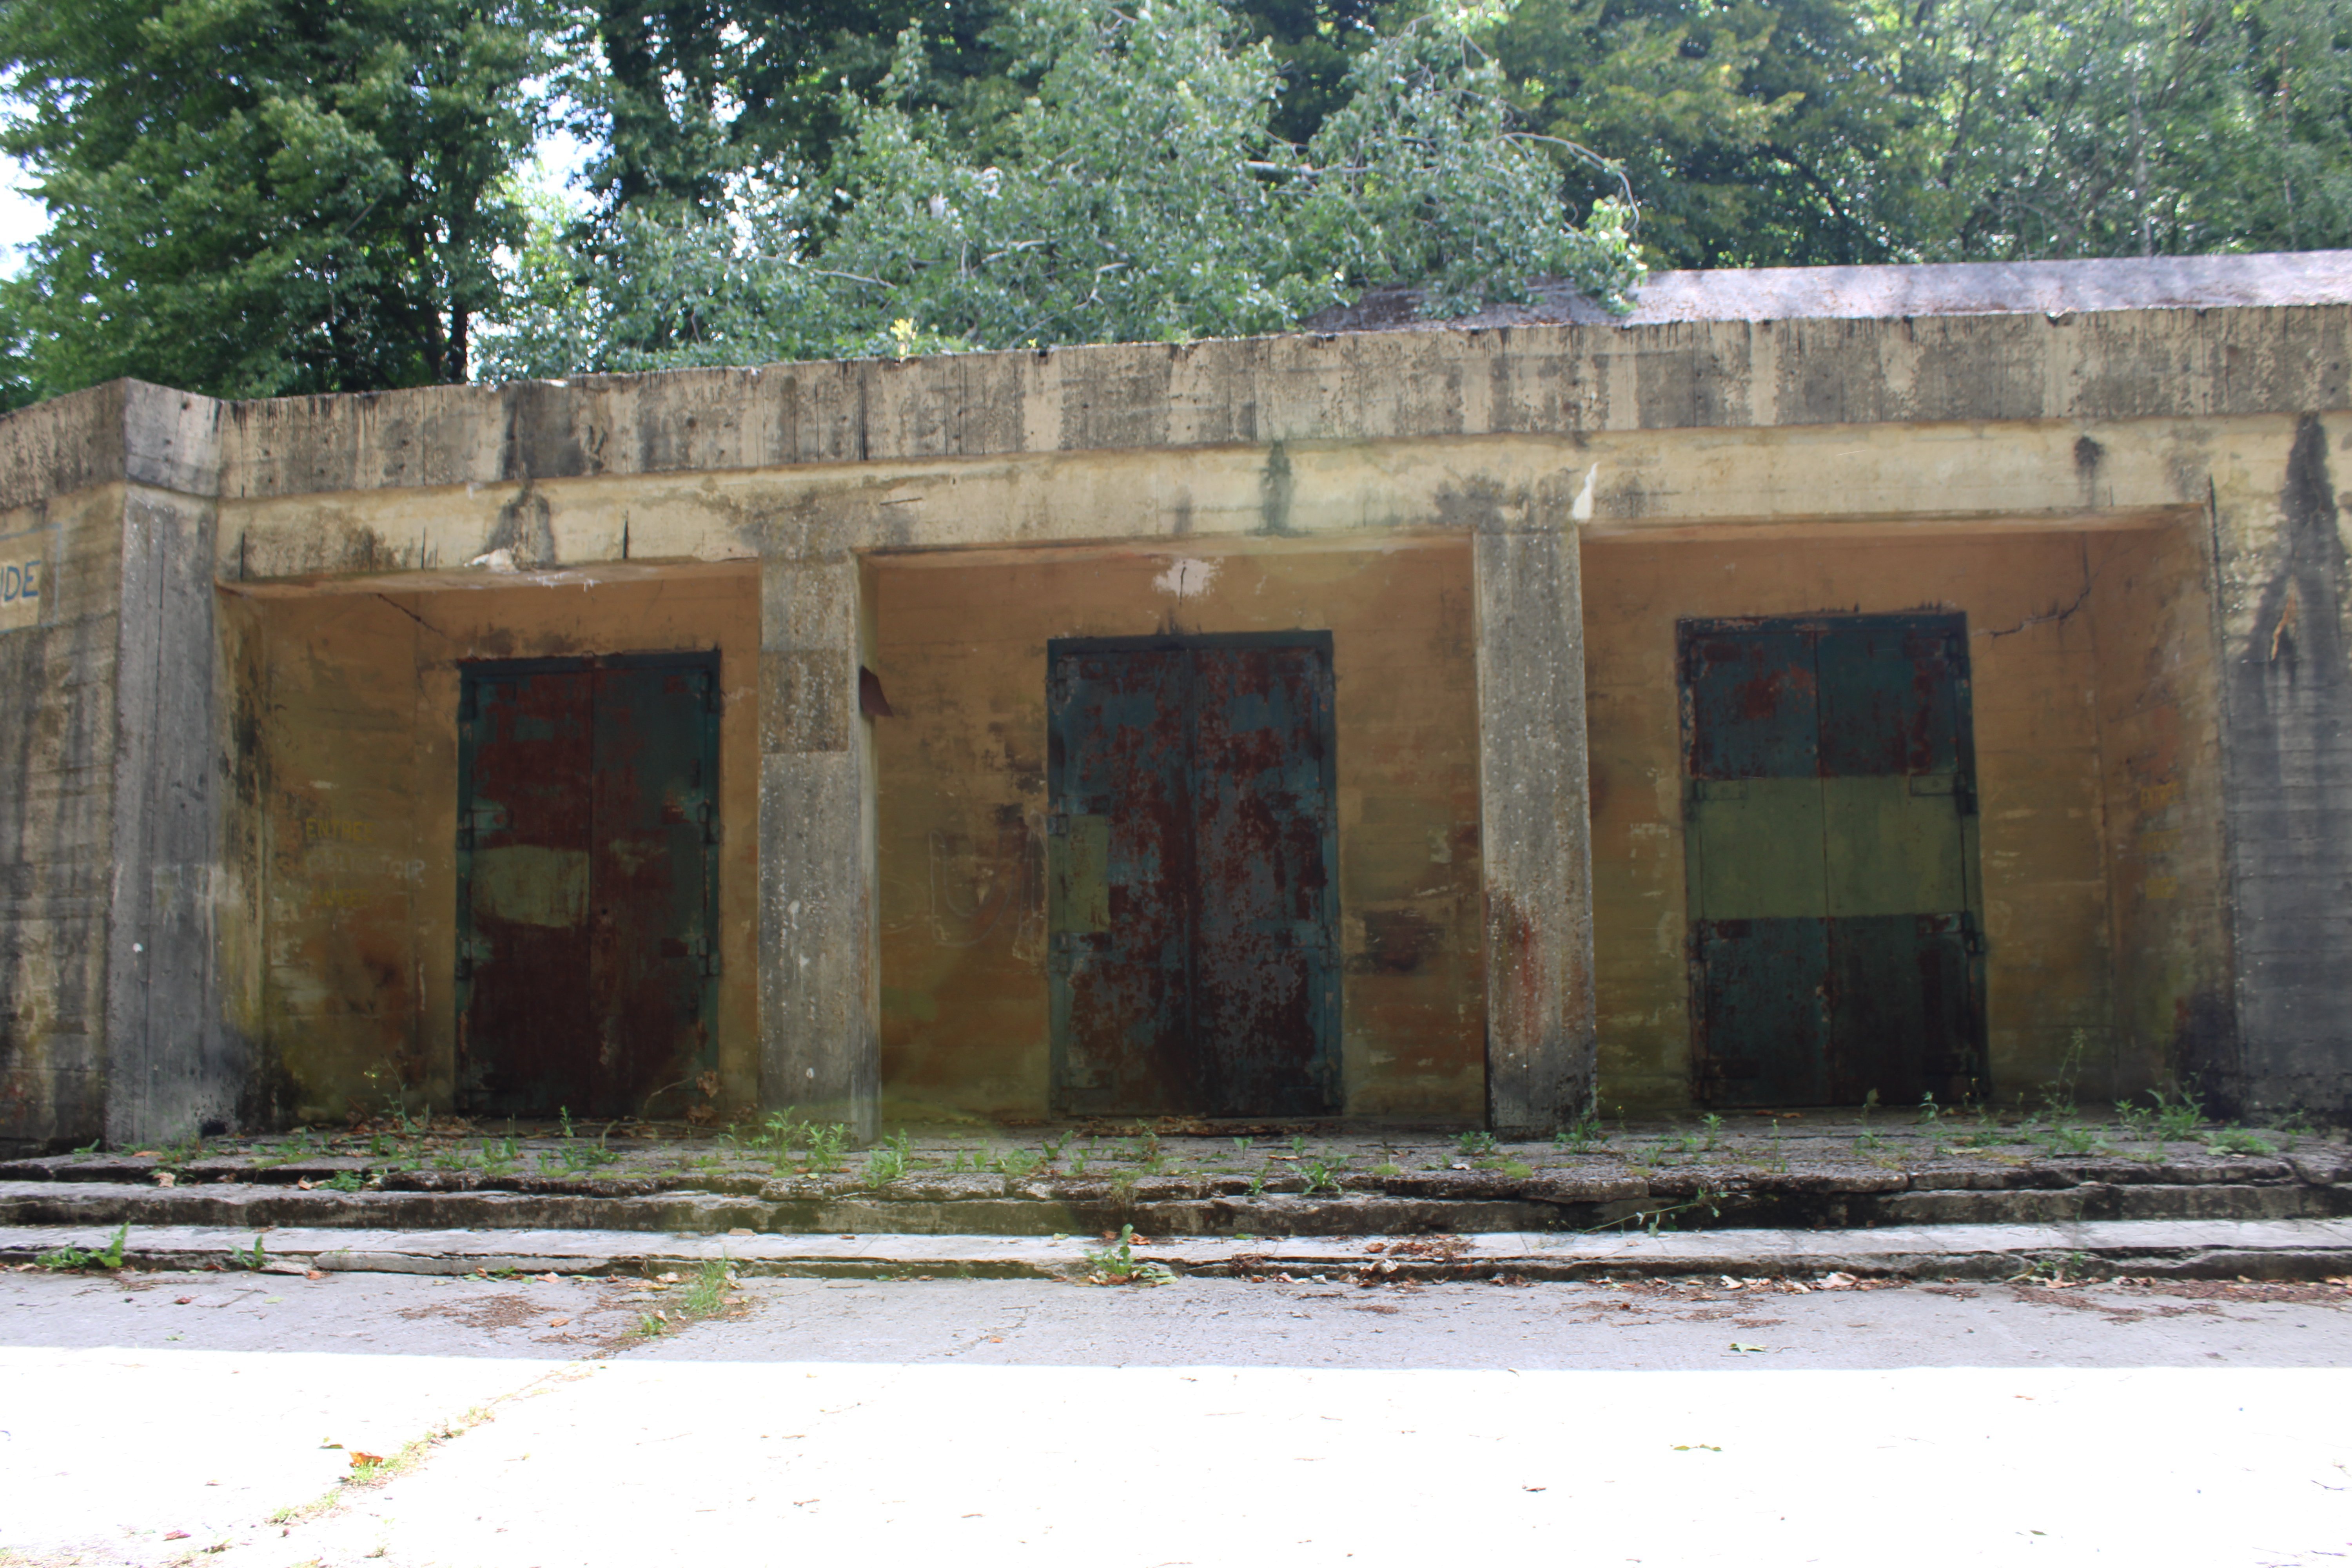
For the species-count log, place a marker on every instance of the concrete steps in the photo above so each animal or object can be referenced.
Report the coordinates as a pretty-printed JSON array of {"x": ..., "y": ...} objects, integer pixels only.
[{"x": 65, "y": 1191}]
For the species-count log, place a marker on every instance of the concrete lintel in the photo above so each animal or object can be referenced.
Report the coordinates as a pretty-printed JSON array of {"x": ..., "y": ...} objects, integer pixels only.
[
  {"x": 1535, "y": 812},
  {"x": 820, "y": 1039}
]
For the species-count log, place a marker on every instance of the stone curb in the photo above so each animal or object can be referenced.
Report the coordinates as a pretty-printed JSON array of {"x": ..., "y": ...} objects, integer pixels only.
[
  {"x": 1040, "y": 1211},
  {"x": 2188, "y": 1250}
]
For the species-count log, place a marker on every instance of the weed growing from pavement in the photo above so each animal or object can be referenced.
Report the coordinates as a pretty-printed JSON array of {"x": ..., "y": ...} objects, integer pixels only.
[
  {"x": 2068, "y": 1268},
  {"x": 1714, "y": 1125},
  {"x": 109, "y": 1257},
  {"x": 2238, "y": 1141},
  {"x": 2178, "y": 1118},
  {"x": 370, "y": 1471},
  {"x": 708, "y": 1292},
  {"x": 825, "y": 1145},
  {"x": 888, "y": 1162},
  {"x": 2068, "y": 1138},
  {"x": 1660, "y": 1220},
  {"x": 1322, "y": 1176},
  {"x": 1118, "y": 1264},
  {"x": 1472, "y": 1144},
  {"x": 1585, "y": 1131}
]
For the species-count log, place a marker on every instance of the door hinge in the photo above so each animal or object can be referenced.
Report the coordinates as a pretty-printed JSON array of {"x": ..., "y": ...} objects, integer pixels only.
[
  {"x": 705, "y": 956},
  {"x": 1972, "y": 939}
]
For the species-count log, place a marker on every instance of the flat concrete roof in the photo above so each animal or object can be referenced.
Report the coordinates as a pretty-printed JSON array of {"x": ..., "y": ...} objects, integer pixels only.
[{"x": 1891, "y": 292}]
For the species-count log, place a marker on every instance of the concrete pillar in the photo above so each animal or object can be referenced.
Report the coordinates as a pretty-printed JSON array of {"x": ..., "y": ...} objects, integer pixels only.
[
  {"x": 820, "y": 1042},
  {"x": 2286, "y": 748},
  {"x": 1536, "y": 820},
  {"x": 173, "y": 1067}
]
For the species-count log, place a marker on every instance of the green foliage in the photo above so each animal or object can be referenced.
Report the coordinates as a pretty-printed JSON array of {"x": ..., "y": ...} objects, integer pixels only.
[
  {"x": 2238, "y": 1141},
  {"x": 251, "y": 198},
  {"x": 1118, "y": 1265},
  {"x": 1138, "y": 193},
  {"x": 890, "y": 1162},
  {"x": 2116, "y": 127},
  {"x": 108, "y": 1256},
  {"x": 2177, "y": 1115}
]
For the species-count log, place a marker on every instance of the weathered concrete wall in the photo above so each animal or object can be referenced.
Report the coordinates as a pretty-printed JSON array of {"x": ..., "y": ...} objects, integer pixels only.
[
  {"x": 2052, "y": 702},
  {"x": 2151, "y": 609},
  {"x": 1667, "y": 430},
  {"x": 961, "y": 652},
  {"x": 56, "y": 811},
  {"x": 2288, "y": 744},
  {"x": 110, "y": 1015},
  {"x": 347, "y": 735},
  {"x": 1526, "y": 380}
]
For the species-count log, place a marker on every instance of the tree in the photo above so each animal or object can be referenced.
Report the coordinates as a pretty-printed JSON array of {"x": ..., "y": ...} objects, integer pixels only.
[
  {"x": 251, "y": 198},
  {"x": 1143, "y": 193},
  {"x": 2118, "y": 127},
  {"x": 1757, "y": 133}
]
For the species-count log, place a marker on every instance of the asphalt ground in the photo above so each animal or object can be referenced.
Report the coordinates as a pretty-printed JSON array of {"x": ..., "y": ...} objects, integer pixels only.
[{"x": 213, "y": 1418}]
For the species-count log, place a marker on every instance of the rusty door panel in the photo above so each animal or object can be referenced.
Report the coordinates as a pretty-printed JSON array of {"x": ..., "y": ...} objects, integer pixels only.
[
  {"x": 1118, "y": 859},
  {"x": 1829, "y": 790},
  {"x": 651, "y": 963},
  {"x": 1190, "y": 853},
  {"x": 587, "y": 888},
  {"x": 1765, "y": 1013},
  {"x": 523, "y": 848},
  {"x": 1265, "y": 977},
  {"x": 1902, "y": 1004},
  {"x": 1751, "y": 702}
]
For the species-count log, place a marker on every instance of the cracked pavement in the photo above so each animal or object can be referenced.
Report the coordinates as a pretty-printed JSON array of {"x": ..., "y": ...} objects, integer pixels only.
[{"x": 160, "y": 1418}]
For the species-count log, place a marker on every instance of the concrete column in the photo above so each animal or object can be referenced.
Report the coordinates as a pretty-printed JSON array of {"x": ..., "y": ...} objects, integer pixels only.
[
  {"x": 820, "y": 1042},
  {"x": 172, "y": 1068},
  {"x": 2286, "y": 749},
  {"x": 1536, "y": 820}
]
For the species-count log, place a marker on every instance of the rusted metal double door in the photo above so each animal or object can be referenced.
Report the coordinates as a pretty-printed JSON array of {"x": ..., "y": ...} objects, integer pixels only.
[
  {"x": 1191, "y": 858},
  {"x": 1831, "y": 808},
  {"x": 586, "y": 884}
]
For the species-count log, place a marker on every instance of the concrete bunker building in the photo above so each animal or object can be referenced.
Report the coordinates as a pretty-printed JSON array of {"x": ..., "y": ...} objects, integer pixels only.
[{"x": 1908, "y": 680}]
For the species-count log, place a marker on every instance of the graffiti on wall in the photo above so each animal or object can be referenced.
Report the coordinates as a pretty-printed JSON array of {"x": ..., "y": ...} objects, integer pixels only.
[{"x": 23, "y": 577}]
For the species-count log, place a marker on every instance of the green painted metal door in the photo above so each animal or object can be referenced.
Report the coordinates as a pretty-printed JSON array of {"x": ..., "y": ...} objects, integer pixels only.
[
  {"x": 587, "y": 884},
  {"x": 1191, "y": 899},
  {"x": 1831, "y": 809}
]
